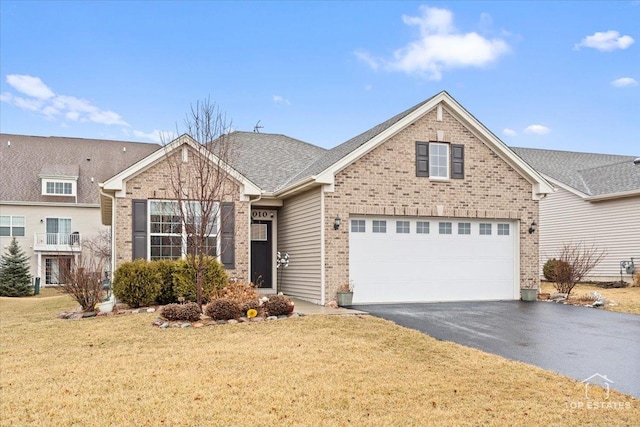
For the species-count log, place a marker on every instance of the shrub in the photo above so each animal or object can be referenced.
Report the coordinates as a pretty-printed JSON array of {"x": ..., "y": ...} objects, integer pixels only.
[
  {"x": 222, "y": 309},
  {"x": 189, "y": 312},
  {"x": 636, "y": 278},
  {"x": 277, "y": 305},
  {"x": 552, "y": 267},
  {"x": 166, "y": 268},
  {"x": 239, "y": 293},
  {"x": 137, "y": 283},
  {"x": 184, "y": 279},
  {"x": 254, "y": 304}
]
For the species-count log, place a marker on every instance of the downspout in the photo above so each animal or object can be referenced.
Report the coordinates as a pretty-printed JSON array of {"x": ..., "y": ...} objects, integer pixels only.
[{"x": 113, "y": 240}]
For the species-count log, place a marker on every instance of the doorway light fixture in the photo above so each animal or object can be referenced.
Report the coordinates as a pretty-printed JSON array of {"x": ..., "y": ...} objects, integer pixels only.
[
  {"x": 533, "y": 227},
  {"x": 336, "y": 222}
]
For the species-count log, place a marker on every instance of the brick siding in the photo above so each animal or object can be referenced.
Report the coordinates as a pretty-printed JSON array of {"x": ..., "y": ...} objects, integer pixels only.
[
  {"x": 155, "y": 183},
  {"x": 384, "y": 182}
]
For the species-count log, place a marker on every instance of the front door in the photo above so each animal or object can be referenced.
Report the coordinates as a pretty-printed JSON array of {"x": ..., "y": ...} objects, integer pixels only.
[{"x": 261, "y": 254}]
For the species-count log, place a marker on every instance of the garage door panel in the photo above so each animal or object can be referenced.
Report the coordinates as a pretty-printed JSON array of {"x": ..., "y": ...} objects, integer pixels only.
[{"x": 392, "y": 267}]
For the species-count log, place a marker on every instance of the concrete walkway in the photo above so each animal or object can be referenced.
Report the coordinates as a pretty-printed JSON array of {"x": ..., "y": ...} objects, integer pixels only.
[{"x": 307, "y": 308}]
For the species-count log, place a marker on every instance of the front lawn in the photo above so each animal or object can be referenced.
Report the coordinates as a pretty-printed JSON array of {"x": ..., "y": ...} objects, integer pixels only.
[
  {"x": 625, "y": 300},
  {"x": 315, "y": 370}
]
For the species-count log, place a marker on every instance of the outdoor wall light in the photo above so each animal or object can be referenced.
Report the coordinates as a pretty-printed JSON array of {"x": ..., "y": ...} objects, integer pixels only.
[
  {"x": 533, "y": 227},
  {"x": 336, "y": 222}
]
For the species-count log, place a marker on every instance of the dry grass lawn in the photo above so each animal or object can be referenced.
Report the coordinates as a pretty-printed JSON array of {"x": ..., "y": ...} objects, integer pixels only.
[
  {"x": 627, "y": 299},
  {"x": 316, "y": 370}
]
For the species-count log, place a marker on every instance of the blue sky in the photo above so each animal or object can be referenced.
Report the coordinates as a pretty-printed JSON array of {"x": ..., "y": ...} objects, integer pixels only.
[{"x": 554, "y": 75}]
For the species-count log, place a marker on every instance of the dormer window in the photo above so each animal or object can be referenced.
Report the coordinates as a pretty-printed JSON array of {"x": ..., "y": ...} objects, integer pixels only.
[
  {"x": 51, "y": 187},
  {"x": 59, "y": 180}
]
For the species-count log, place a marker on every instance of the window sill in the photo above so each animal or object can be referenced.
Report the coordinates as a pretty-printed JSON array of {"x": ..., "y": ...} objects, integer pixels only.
[{"x": 439, "y": 179}]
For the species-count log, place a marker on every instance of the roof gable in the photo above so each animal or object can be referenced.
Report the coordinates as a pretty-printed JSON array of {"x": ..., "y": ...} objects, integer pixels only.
[
  {"x": 117, "y": 182},
  {"x": 323, "y": 170}
]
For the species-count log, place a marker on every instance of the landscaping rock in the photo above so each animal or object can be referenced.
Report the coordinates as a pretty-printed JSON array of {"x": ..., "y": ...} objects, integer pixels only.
[
  {"x": 221, "y": 322},
  {"x": 294, "y": 315},
  {"x": 558, "y": 297},
  {"x": 232, "y": 321},
  {"x": 165, "y": 325},
  {"x": 198, "y": 325},
  {"x": 282, "y": 316},
  {"x": 257, "y": 319},
  {"x": 186, "y": 325},
  {"x": 272, "y": 318},
  {"x": 243, "y": 319},
  {"x": 151, "y": 310}
]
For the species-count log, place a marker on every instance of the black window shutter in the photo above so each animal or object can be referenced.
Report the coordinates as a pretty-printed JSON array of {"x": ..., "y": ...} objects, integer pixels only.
[
  {"x": 139, "y": 229},
  {"x": 227, "y": 242},
  {"x": 457, "y": 161},
  {"x": 422, "y": 158}
]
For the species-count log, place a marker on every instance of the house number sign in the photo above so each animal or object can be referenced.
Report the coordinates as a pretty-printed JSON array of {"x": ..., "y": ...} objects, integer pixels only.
[{"x": 261, "y": 214}]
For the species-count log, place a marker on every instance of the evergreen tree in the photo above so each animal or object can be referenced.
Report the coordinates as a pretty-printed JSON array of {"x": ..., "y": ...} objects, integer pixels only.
[{"x": 15, "y": 280}]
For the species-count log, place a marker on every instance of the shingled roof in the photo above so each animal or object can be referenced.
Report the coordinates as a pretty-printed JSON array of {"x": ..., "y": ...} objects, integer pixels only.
[
  {"x": 25, "y": 159},
  {"x": 271, "y": 160},
  {"x": 589, "y": 173},
  {"x": 335, "y": 154}
]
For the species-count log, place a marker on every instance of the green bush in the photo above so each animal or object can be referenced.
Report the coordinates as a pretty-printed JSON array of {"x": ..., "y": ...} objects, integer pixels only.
[
  {"x": 184, "y": 279},
  {"x": 166, "y": 268},
  {"x": 189, "y": 312},
  {"x": 555, "y": 270},
  {"x": 277, "y": 305},
  {"x": 137, "y": 283},
  {"x": 223, "y": 309}
]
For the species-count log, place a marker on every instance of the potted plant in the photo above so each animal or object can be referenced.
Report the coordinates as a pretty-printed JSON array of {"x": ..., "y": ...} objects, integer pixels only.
[
  {"x": 345, "y": 295},
  {"x": 529, "y": 291}
]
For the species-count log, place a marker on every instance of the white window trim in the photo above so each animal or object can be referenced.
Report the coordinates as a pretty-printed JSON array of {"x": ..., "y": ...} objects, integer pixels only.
[
  {"x": 183, "y": 235},
  {"x": 11, "y": 225},
  {"x": 448, "y": 161},
  {"x": 63, "y": 181}
]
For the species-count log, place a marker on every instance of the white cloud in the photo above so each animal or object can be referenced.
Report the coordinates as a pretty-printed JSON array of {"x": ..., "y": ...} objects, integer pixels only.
[
  {"x": 159, "y": 136},
  {"x": 440, "y": 46},
  {"x": 280, "y": 100},
  {"x": 624, "y": 82},
  {"x": 509, "y": 132},
  {"x": 366, "y": 57},
  {"x": 41, "y": 99},
  {"x": 368, "y": 87},
  {"x": 30, "y": 86},
  {"x": 537, "y": 130},
  {"x": 605, "y": 41}
]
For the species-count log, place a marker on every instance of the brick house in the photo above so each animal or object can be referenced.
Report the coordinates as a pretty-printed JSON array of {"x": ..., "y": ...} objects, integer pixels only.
[{"x": 426, "y": 206}]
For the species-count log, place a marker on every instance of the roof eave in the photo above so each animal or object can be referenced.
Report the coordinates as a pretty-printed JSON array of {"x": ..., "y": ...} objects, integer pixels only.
[
  {"x": 611, "y": 196},
  {"x": 540, "y": 186}
]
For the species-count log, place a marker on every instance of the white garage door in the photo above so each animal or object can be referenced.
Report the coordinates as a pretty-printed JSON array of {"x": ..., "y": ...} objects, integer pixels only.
[{"x": 432, "y": 259}]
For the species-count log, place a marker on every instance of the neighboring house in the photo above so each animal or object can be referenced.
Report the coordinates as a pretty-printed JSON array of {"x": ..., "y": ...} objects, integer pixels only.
[
  {"x": 596, "y": 202},
  {"x": 49, "y": 195},
  {"x": 426, "y": 206}
]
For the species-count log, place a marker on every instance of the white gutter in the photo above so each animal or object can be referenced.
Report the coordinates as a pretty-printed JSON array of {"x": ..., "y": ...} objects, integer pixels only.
[{"x": 113, "y": 221}]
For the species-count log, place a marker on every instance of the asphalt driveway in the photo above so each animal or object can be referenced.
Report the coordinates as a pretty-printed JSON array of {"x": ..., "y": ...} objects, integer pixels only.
[{"x": 573, "y": 341}]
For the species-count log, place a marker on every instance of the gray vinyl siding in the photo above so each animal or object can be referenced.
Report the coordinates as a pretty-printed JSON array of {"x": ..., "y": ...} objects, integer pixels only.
[
  {"x": 612, "y": 225},
  {"x": 299, "y": 234}
]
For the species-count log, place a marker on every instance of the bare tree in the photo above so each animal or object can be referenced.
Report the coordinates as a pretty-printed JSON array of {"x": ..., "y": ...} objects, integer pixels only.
[
  {"x": 577, "y": 260},
  {"x": 82, "y": 279},
  {"x": 199, "y": 183},
  {"x": 99, "y": 246}
]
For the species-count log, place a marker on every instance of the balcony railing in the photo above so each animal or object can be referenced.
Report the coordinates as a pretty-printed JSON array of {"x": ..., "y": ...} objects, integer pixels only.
[{"x": 59, "y": 242}]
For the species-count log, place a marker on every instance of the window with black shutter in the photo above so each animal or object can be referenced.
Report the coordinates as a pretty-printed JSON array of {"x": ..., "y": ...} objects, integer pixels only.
[{"x": 422, "y": 159}]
